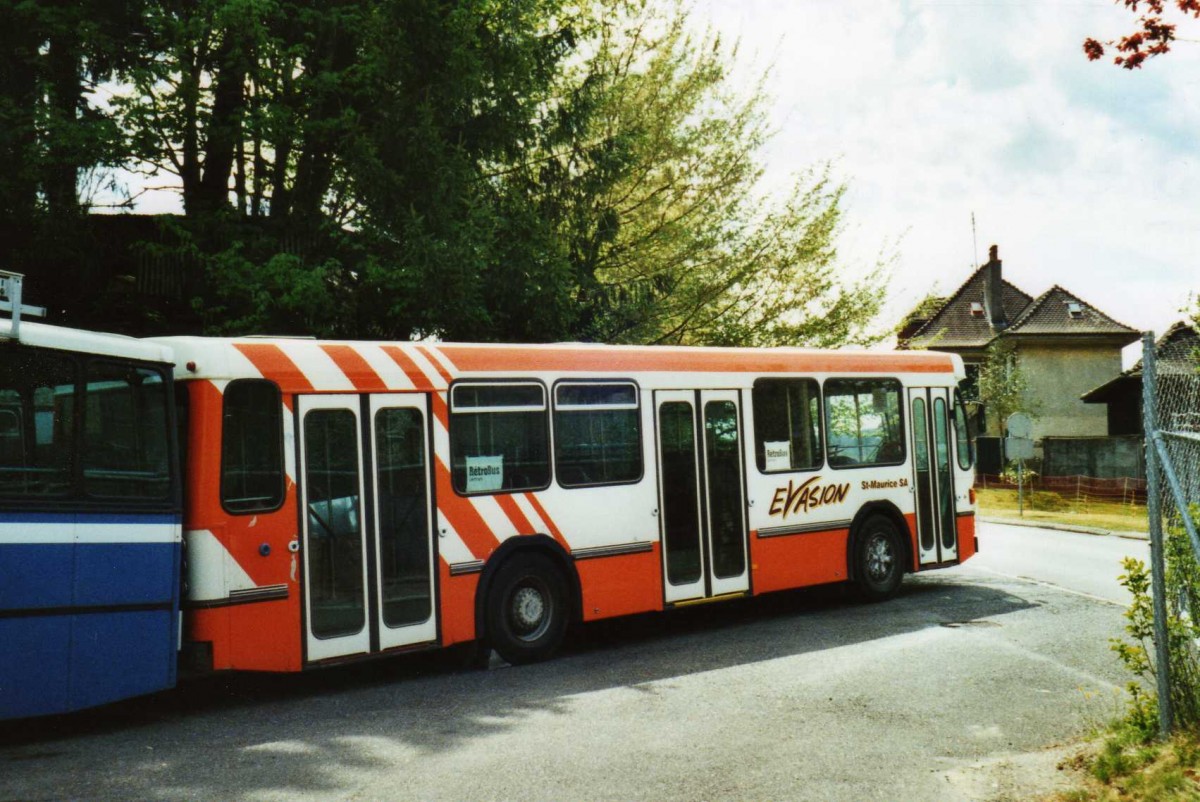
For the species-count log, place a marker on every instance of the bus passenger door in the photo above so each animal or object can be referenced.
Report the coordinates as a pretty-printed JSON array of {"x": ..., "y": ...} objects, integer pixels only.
[
  {"x": 702, "y": 494},
  {"x": 333, "y": 550},
  {"x": 933, "y": 481},
  {"x": 403, "y": 548}
]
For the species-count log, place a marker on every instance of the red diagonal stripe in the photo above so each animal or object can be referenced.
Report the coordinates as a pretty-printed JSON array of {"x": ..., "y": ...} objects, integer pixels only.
[
  {"x": 463, "y": 516},
  {"x": 437, "y": 365},
  {"x": 509, "y": 505},
  {"x": 275, "y": 365},
  {"x": 357, "y": 370},
  {"x": 440, "y": 410},
  {"x": 557, "y": 535},
  {"x": 414, "y": 373}
]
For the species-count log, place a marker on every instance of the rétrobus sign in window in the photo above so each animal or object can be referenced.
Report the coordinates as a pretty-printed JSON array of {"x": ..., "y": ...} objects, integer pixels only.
[{"x": 498, "y": 437}]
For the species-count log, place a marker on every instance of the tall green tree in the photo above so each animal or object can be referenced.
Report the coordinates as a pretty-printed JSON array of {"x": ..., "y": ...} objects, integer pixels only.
[
  {"x": 53, "y": 55},
  {"x": 1003, "y": 385},
  {"x": 57, "y": 136},
  {"x": 463, "y": 87},
  {"x": 651, "y": 176},
  {"x": 344, "y": 145},
  {"x": 469, "y": 169}
]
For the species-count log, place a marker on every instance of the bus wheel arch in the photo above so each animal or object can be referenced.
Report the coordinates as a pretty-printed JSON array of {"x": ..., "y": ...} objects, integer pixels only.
[
  {"x": 890, "y": 512},
  {"x": 527, "y": 577}
]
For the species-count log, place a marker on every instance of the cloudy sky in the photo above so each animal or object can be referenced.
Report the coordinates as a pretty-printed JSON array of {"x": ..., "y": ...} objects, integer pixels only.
[{"x": 1084, "y": 174}]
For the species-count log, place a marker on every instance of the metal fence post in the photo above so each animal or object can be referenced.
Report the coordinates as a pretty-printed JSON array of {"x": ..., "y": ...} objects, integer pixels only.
[{"x": 1157, "y": 562}]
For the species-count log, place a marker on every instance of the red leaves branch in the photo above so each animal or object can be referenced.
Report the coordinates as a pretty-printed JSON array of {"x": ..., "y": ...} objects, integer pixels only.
[{"x": 1153, "y": 38}]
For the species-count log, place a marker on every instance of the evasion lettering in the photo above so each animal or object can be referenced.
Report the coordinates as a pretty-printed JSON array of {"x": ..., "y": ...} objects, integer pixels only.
[{"x": 807, "y": 496}]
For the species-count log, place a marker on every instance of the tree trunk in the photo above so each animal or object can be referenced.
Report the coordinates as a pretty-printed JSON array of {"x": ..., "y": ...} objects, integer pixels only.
[
  {"x": 189, "y": 92},
  {"x": 18, "y": 135},
  {"x": 333, "y": 54},
  {"x": 224, "y": 124},
  {"x": 63, "y": 156},
  {"x": 280, "y": 202}
]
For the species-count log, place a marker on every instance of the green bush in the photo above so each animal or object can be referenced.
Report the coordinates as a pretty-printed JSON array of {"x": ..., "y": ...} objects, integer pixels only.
[{"x": 1182, "y": 578}]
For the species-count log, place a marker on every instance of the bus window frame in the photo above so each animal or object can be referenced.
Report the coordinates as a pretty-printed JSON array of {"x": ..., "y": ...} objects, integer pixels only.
[
  {"x": 902, "y": 433},
  {"x": 77, "y": 499},
  {"x": 960, "y": 404},
  {"x": 637, "y": 408},
  {"x": 820, "y": 424},
  {"x": 82, "y": 385},
  {"x": 546, "y": 428},
  {"x": 279, "y": 442}
]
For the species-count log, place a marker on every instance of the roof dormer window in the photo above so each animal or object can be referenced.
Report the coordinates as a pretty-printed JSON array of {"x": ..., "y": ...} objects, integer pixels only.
[
  {"x": 1074, "y": 309},
  {"x": 976, "y": 309}
]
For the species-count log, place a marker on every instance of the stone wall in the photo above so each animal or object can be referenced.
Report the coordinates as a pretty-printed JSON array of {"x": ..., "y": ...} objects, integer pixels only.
[{"x": 1099, "y": 457}]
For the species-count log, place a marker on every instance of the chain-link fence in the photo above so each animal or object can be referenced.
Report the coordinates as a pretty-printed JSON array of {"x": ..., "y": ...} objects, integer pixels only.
[{"x": 1171, "y": 415}]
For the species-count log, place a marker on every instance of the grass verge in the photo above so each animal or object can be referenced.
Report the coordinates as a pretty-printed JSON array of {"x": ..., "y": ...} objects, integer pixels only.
[
  {"x": 1127, "y": 769},
  {"x": 1046, "y": 507}
]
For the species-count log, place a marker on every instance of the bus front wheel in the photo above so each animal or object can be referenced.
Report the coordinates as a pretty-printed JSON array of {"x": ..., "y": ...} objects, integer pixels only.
[
  {"x": 878, "y": 559},
  {"x": 526, "y": 616}
]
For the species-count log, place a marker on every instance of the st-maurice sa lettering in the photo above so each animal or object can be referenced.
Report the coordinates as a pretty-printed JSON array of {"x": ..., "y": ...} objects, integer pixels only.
[
  {"x": 884, "y": 484},
  {"x": 805, "y": 497}
]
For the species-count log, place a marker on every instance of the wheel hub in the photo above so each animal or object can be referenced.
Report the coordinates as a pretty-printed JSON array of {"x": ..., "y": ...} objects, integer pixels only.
[
  {"x": 879, "y": 557},
  {"x": 528, "y": 612}
]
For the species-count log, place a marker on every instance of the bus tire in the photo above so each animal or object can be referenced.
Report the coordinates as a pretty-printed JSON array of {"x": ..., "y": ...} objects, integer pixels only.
[
  {"x": 878, "y": 559},
  {"x": 527, "y": 612}
]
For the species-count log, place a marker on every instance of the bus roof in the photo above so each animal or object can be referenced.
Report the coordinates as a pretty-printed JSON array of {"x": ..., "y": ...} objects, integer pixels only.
[
  {"x": 304, "y": 364},
  {"x": 88, "y": 342}
]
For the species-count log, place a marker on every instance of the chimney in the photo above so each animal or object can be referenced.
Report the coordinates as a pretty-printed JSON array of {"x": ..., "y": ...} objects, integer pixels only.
[{"x": 993, "y": 290}]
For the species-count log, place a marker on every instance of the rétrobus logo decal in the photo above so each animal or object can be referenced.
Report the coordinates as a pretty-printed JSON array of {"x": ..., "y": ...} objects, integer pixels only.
[
  {"x": 480, "y": 472},
  {"x": 807, "y": 496}
]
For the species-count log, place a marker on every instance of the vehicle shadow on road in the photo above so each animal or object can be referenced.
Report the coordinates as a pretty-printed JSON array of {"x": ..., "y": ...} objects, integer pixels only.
[{"x": 278, "y": 732}]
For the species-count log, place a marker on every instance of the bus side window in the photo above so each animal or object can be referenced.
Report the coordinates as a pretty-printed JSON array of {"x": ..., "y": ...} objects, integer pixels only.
[
  {"x": 251, "y": 447},
  {"x": 597, "y": 434},
  {"x": 787, "y": 425},
  {"x": 964, "y": 444},
  {"x": 37, "y": 423},
  {"x": 126, "y": 438},
  {"x": 862, "y": 422},
  {"x": 499, "y": 437}
]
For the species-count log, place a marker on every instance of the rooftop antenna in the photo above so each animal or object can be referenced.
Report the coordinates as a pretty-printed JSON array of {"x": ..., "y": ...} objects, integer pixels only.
[
  {"x": 10, "y": 301},
  {"x": 974, "y": 244}
]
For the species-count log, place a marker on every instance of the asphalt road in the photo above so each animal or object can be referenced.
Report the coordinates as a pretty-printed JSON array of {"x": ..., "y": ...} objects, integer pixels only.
[{"x": 966, "y": 686}]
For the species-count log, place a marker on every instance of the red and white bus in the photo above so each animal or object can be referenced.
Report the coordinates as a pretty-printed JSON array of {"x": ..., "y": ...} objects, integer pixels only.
[{"x": 346, "y": 499}]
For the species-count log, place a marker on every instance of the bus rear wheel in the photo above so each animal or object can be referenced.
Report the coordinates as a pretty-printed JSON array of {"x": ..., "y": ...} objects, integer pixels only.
[
  {"x": 526, "y": 615},
  {"x": 878, "y": 559}
]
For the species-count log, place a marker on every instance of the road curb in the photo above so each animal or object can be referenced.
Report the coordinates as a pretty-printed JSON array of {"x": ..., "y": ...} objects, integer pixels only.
[{"x": 1083, "y": 530}]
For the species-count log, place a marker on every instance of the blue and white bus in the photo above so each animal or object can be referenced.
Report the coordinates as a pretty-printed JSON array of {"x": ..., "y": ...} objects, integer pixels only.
[{"x": 90, "y": 509}]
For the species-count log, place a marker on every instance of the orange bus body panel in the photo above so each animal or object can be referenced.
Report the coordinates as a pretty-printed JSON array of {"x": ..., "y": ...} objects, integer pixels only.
[
  {"x": 796, "y": 561},
  {"x": 623, "y": 585},
  {"x": 966, "y": 536},
  {"x": 910, "y": 520},
  {"x": 263, "y": 635},
  {"x": 458, "y": 605}
]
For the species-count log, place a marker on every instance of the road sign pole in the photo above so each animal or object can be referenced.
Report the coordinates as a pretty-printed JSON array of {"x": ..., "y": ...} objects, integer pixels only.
[{"x": 1021, "y": 487}]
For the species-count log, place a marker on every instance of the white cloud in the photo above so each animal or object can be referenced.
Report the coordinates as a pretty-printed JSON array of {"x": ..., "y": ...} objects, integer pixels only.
[{"x": 1086, "y": 175}]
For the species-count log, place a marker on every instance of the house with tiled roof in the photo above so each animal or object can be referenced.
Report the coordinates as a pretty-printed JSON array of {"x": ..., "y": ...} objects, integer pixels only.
[
  {"x": 1176, "y": 354},
  {"x": 1064, "y": 345}
]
